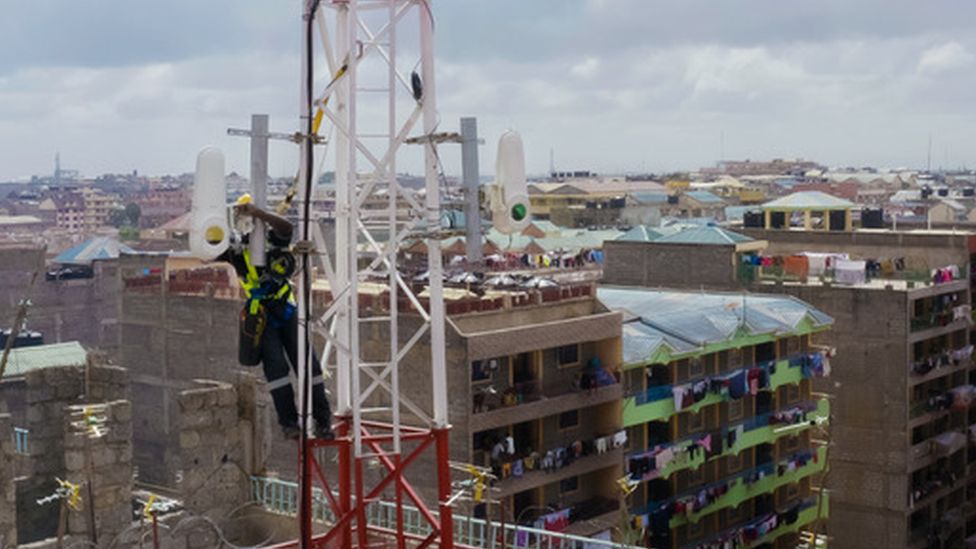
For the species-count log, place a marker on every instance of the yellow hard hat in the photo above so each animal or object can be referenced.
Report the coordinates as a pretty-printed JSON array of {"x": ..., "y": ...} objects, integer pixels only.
[{"x": 244, "y": 199}]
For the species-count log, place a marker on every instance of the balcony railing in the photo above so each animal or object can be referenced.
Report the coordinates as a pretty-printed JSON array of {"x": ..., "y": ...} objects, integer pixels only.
[
  {"x": 798, "y": 516},
  {"x": 689, "y": 452},
  {"x": 741, "y": 486},
  {"x": 21, "y": 441},
  {"x": 541, "y": 466},
  {"x": 487, "y": 400},
  {"x": 944, "y": 359},
  {"x": 657, "y": 403},
  {"x": 942, "y": 318}
]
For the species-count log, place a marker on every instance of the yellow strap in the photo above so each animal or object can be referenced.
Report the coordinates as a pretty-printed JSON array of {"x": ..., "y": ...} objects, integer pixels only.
[
  {"x": 147, "y": 511},
  {"x": 74, "y": 493}
]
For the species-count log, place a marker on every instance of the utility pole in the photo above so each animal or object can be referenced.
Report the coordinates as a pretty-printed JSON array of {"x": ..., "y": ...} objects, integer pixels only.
[
  {"x": 259, "y": 183},
  {"x": 471, "y": 175},
  {"x": 259, "y": 136}
]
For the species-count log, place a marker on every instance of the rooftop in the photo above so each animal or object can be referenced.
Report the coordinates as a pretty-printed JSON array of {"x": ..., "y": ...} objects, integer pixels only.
[
  {"x": 102, "y": 247},
  {"x": 808, "y": 200},
  {"x": 684, "y": 234},
  {"x": 27, "y": 359},
  {"x": 679, "y": 322},
  {"x": 704, "y": 197},
  {"x": 6, "y": 220}
]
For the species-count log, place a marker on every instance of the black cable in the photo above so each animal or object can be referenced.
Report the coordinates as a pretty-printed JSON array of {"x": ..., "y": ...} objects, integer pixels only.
[{"x": 306, "y": 279}]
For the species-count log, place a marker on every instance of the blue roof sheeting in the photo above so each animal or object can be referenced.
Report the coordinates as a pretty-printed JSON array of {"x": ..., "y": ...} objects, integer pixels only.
[{"x": 102, "y": 247}]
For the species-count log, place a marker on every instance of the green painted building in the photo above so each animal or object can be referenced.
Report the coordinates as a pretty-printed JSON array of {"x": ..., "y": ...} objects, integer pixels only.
[{"x": 722, "y": 424}]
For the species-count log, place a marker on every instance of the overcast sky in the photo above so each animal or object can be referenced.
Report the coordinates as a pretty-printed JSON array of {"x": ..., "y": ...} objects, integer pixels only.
[{"x": 609, "y": 85}]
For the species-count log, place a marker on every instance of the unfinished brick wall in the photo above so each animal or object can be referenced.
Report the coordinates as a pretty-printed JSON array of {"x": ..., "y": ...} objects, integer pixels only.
[
  {"x": 217, "y": 447},
  {"x": 8, "y": 501},
  {"x": 103, "y": 459},
  {"x": 49, "y": 392}
]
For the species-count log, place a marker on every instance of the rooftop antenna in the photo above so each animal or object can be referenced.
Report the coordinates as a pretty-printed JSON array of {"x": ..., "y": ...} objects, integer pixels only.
[{"x": 928, "y": 158}]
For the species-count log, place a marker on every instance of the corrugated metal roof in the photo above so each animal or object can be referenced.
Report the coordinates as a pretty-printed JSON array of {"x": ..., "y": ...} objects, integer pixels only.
[
  {"x": 684, "y": 233},
  {"x": 101, "y": 247},
  {"x": 685, "y": 321},
  {"x": 28, "y": 359},
  {"x": 808, "y": 200},
  {"x": 704, "y": 197},
  {"x": 640, "y": 233},
  {"x": 704, "y": 235},
  {"x": 650, "y": 198}
]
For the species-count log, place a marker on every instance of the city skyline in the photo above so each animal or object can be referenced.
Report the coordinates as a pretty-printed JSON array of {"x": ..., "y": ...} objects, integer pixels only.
[{"x": 620, "y": 86}]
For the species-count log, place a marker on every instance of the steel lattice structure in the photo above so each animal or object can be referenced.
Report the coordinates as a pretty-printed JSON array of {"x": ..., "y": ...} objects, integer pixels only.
[{"x": 363, "y": 42}]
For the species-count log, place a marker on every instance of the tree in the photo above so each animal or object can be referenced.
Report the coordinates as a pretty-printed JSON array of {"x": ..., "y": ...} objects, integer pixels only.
[
  {"x": 132, "y": 212},
  {"x": 117, "y": 217}
]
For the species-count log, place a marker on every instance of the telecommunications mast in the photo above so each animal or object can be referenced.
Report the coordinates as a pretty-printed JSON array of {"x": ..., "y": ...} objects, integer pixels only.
[{"x": 376, "y": 94}]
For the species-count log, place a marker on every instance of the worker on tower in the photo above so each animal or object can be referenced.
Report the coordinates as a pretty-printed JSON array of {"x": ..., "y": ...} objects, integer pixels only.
[{"x": 269, "y": 319}]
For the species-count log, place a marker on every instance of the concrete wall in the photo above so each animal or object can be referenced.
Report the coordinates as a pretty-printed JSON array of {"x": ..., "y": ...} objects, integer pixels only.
[
  {"x": 869, "y": 408},
  {"x": 84, "y": 310},
  {"x": 668, "y": 265},
  {"x": 167, "y": 341}
]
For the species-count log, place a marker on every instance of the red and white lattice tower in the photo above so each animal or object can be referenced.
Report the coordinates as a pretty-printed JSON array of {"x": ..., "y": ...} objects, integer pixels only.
[{"x": 372, "y": 104}]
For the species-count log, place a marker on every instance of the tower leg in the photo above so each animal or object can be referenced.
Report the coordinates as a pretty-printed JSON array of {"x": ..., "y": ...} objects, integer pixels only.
[{"x": 444, "y": 488}]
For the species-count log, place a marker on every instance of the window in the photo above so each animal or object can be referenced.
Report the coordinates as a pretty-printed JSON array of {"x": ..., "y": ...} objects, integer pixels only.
[
  {"x": 567, "y": 355},
  {"x": 696, "y": 422},
  {"x": 696, "y": 368},
  {"x": 568, "y": 485},
  {"x": 736, "y": 409},
  {"x": 569, "y": 420}
]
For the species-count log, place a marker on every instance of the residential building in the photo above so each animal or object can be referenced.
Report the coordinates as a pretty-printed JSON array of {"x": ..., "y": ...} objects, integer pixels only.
[
  {"x": 545, "y": 198},
  {"x": 68, "y": 209},
  {"x": 900, "y": 474},
  {"x": 811, "y": 210},
  {"x": 535, "y": 397},
  {"x": 720, "y": 415},
  {"x": 97, "y": 207},
  {"x": 777, "y": 166}
]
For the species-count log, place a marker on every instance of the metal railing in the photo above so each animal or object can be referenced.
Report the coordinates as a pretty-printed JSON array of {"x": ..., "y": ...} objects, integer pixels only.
[
  {"x": 663, "y": 392},
  {"x": 21, "y": 441},
  {"x": 281, "y": 497}
]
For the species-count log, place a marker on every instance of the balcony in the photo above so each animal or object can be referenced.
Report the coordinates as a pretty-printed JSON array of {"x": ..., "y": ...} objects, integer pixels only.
[
  {"x": 743, "y": 490},
  {"x": 584, "y": 518},
  {"x": 928, "y": 451},
  {"x": 756, "y": 431},
  {"x": 809, "y": 511},
  {"x": 529, "y": 404},
  {"x": 538, "y": 477},
  {"x": 933, "y": 324},
  {"x": 657, "y": 403},
  {"x": 938, "y": 485},
  {"x": 941, "y": 364}
]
